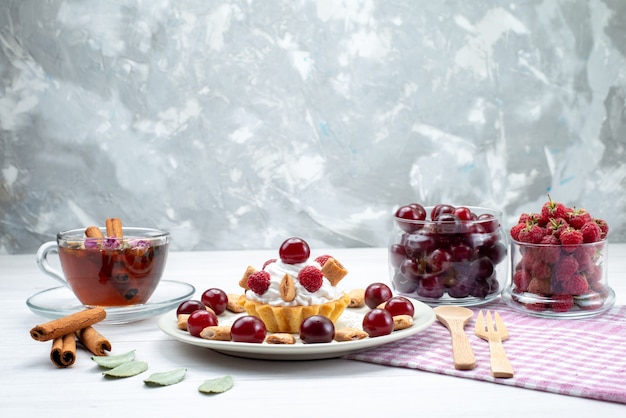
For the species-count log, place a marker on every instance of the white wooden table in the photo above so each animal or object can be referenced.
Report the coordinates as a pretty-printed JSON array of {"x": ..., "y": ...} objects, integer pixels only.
[{"x": 30, "y": 384}]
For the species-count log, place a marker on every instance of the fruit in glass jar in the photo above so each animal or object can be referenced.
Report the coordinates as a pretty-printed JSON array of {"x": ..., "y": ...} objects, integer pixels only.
[
  {"x": 294, "y": 251},
  {"x": 378, "y": 322},
  {"x": 216, "y": 299},
  {"x": 317, "y": 329},
  {"x": 199, "y": 320},
  {"x": 377, "y": 293},
  {"x": 248, "y": 329},
  {"x": 454, "y": 248},
  {"x": 411, "y": 212}
]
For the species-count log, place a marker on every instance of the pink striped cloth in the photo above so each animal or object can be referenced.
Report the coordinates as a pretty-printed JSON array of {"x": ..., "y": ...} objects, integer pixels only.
[{"x": 576, "y": 357}]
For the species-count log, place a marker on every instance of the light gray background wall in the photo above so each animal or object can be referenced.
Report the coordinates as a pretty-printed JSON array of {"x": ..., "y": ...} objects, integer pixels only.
[{"x": 234, "y": 124}]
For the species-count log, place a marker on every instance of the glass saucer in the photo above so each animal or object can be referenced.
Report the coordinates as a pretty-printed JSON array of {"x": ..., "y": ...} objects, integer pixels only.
[{"x": 59, "y": 301}]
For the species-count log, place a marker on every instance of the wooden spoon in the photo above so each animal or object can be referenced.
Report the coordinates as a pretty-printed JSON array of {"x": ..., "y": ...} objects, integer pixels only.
[{"x": 454, "y": 318}]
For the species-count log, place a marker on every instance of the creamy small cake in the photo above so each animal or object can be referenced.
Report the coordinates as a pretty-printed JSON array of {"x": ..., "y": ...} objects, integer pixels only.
[{"x": 293, "y": 287}]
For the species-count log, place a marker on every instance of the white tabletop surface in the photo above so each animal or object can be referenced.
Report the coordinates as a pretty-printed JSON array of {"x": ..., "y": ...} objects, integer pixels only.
[{"x": 30, "y": 384}]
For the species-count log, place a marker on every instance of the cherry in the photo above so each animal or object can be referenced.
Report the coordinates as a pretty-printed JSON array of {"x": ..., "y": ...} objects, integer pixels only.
[
  {"x": 378, "y": 322},
  {"x": 440, "y": 209},
  {"x": 294, "y": 251},
  {"x": 489, "y": 222},
  {"x": 410, "y": 269},
  {"x": 199, "y": 320},
  {"x": 430, "y": 286},
  {"x": 188, "y": 306},
  {"x": 403, "y": 283},
  {"x": 463, "y": 213},
  {"x": 419, "y": 242},
  {"x": 399, "y": 305},
  {"x": 461, "y": 252},
  {"x": 317, "y": 329},
  {"x": 216, "y": 299},
  {"x": 439, "y": 260},
  {"x": 412, "y": 212},
  {"x": 377, "y": 293},
  {"x": 248, "y": 329},
  {"x": 397, "y": 254}
]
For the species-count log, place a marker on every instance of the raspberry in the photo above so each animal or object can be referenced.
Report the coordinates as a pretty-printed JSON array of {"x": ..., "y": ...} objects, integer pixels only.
[
  {"x": 539, "y": 286},
  {"x": 586, "y": 256},
  {"x": 535, "y": 307},
  {"x": 322, "y": 259},
  {"x": 571, "y": 238},
  {"x": 311, "y": 278},
  {"x": 556, "y": 225},
  {"x": 591, "y": 232},
  {"x": 552, "y": 250},
  {"x": 594, "y": 277},
  {"x": 521, "y": 279},
  {"x": 604, "y": 227},
  {"x": 578, "y": 217},
  {"x": 551, "y": 210},
  {"x": 562, "y": 303},
  {"x": 576, "y": 285},
  {"x": 268, "y": 262},
  {"x": 541, "y": 270},
  {"x": 565, "y": 268},
  {"x": 515, "y": 230},
  {"x": 531, "y": 234},
  {"x": 532, "y": 218},
  {"x": 259, "y": 282}
]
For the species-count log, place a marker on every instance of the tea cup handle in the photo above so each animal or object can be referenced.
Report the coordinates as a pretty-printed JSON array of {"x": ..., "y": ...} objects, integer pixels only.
[{"x": 42, "y": 261}]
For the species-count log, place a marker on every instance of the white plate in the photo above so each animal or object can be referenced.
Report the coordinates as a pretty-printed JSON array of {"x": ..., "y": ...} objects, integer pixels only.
[
  {"x": 60, "y": 301},
  {"x": 423, "y": 318}
]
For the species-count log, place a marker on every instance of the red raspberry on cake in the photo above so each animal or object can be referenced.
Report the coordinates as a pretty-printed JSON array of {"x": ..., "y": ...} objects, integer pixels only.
[
  {"x": 322, "y": 259},
  {"x": 310, "y": 278},
  {"x": 259, "y": 282}
]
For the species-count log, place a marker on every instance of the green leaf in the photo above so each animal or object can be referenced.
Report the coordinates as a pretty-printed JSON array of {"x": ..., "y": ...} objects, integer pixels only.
[
  {"x": 130, "y": 368},
  {"x": 111, "y": 362},
  {"x": 166, "y": 378},
  {"x": 218, "y": 385}
]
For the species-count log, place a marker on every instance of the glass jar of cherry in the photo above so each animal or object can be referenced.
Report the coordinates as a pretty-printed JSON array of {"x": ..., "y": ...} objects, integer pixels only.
[{"x": 448, "y": 255}]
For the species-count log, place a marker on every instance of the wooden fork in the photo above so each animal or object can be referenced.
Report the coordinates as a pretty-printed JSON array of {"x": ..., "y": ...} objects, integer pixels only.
[{"x": 500, "y": 365}]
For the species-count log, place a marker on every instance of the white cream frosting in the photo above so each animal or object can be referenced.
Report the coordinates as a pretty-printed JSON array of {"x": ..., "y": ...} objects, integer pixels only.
[{"x": 277, "y": 270}]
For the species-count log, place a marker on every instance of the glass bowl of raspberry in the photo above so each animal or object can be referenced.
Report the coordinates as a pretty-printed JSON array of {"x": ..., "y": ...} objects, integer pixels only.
[
  {"x": 559, "y": 264},
  {"x": 448, "y": 255},
  {"x": 557, "y": 280}
]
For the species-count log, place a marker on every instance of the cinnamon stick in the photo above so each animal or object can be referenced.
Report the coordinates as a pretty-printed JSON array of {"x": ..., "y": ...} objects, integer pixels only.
[
  {"x": 93, "y": 232},
  {"x": 93, "y": 341},
  {"x": 114, "y": 227},
  {"x": 68, "y": 324},
  {"x": 63, "y": 352}
]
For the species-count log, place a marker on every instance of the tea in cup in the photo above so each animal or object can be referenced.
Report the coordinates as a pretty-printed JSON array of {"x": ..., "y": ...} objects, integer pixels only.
[{"x": 106, "y": 270}]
